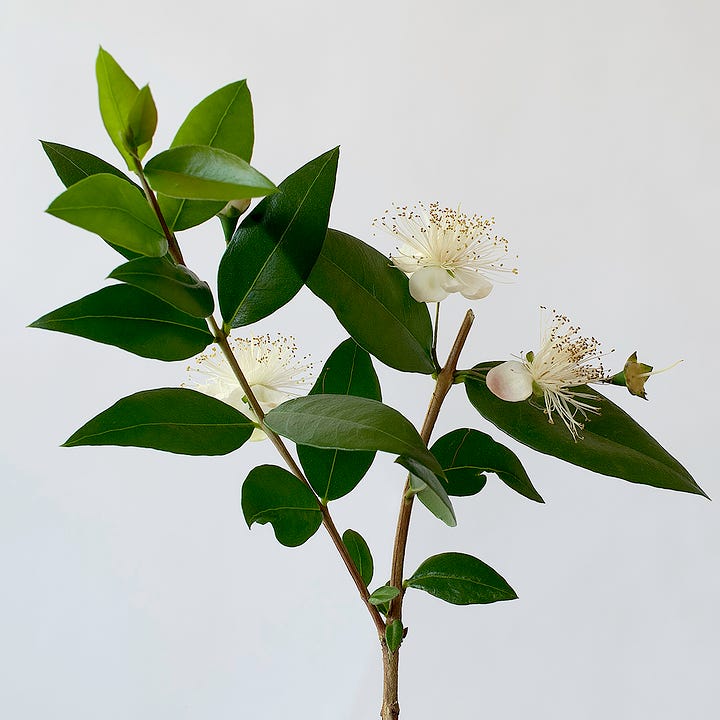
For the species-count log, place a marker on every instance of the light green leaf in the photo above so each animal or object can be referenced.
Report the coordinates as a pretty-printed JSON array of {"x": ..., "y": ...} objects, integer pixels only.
[
  {"x": 110, "y": 207},
  {"x": 222, "y": 120},
  {"x": 350, "y": 423},
  {"x": 372, "y": 302},
  {"x": 116, "y": 94},
  {"x": 461, "y": 580},
  {"x": 271, "y": 494},
  {"x": 466, "y": 454},
  {"x": 384, "y": 594},
  {"x": 274, "y": 249},
  {"x": 175, "y": 284},
  {"x": 175, "y": 420},
  {"x": 334, "y": 473},
  {"x": 360, "y": 554},
  {"x": 142, "y": 121},
  {"x": 72, "y": 165},
  {"x": 202, "y": 172},
  {"x": 133, "y": 320},
  {"x": 429, "y": 490},
  {"x": 612, "y": 444}
]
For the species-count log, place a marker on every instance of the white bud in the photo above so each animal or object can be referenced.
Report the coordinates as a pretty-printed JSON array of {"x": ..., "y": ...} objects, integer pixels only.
[{"x": 510, "y": 381}]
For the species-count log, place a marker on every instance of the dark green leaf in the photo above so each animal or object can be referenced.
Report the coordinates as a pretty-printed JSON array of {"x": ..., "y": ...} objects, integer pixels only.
[
  {"x": 175, "y": 284},
  {"x": 466, "y": 454},
  {"x": 176, "y": 420},
  {"x": 116, "y": 94},
  {"x": 334, "y": 473},
  {"x": 461, "y": 580},
  {"x": 385, "y": 593},
  {"x": 142, "y": 121},
  {"x": 372, "y": 302},
  {"x": 73, "y": 165},
  {"x": 109, "y": 206},
  {"x": 613, "y": 443},
  {"x": 202, "y": 172},
  {"x": 271, "y": 494},
  {"x": 350, "y": 423},
  {"x": 394, "y": 635},
  {"x": 429, "y": 490},
  {"x": 360, "y": 554},
  {"x": 276, "y": 245},
  {"x": 222, "y": 120},
  {"x": 133, "y": 320}
]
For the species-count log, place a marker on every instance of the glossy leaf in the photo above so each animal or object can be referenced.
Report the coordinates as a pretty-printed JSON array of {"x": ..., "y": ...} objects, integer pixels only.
[
  {"x": 175, "y": 420},
  {"x": 466, "y": 454},
  {"x": 334, "y": 473},
  {"x": 276, "y": 245},
  {"x": 271, "y": 494},
  {"x": 222, "y": 120},
  {"x": 175, "y": 284},
  {"x": 350, "y": 423},
  {"x": 612, "y": 444},
  {"x": 117, "y": 94},
  {"x": 384, "y": 594},
  {"x": 394, "y": 635},
  {"x": 202, "y": 172},
  {"x": 430, "y": 490},
  {"x": 372, "y": 302},
  {"x": 133, "y": 320},
  {"x": 461, "y": 580},
  {"x": 109, "y": 206},
  {"x": 72, "y": 165},
  {"x": 360, "y": 554},
  {"x": 142, "y": 121}
]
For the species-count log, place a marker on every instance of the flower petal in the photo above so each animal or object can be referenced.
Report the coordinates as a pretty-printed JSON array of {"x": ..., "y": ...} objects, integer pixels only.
[
  {"x": 426, "y": 285},
  {"x": 510, "y": 381},
  {"x": 472, "y": 285}
]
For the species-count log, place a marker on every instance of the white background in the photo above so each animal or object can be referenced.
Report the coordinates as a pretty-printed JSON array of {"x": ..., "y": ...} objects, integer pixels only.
[{"x": 131, "y": 587}]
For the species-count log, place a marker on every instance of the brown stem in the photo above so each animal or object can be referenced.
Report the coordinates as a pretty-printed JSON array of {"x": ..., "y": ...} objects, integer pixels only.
[
  {"x": 390, "y": 707},
  {"x": 222, "y": 341}
]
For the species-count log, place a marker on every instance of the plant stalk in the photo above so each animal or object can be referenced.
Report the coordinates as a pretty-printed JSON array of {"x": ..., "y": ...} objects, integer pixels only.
[{"x": 445, "y": 380}]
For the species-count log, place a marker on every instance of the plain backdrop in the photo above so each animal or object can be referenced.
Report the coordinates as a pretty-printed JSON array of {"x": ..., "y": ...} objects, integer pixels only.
[{"x": 131, "y": 586}]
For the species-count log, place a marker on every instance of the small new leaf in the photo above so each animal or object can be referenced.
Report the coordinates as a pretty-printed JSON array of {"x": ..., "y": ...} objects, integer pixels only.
[
  {"x": 141, "y": 123},
  {"x": 394, "y": 635},
  {"x": 384, "y": 594},
  {"x": 360, "y": 554}
]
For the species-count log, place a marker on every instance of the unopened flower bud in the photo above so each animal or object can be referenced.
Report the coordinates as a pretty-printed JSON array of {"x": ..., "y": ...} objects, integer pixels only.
[{"x": 510, "y": 381}]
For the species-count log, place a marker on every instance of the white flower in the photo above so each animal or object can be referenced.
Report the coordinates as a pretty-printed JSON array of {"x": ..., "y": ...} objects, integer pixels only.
[
  {"x": 269, "y": 365},
  {"x": 446, "y": 251},
  {"x": 564, "y": 361}
]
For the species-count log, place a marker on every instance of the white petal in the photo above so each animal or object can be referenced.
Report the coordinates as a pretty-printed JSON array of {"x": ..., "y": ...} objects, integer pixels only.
[
  {"x": 268, "y": 397},
  {"x": 473, "y": 285},
  {"x": 426, "y": 285},
  {"x": 408, "y": 259},
  {"x": 510, "y": 381}
]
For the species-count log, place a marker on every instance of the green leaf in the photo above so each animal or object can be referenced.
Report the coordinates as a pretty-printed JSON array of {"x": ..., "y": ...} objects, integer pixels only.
[
  {"x": 372, "y": 302},
  {"x": 461, "y": 580},
  {"x": 394, "y": 635},
  {"x": 142, "y": 122},
  {"x": 117, "y": 94},
  {"x": 271, "y": 494},
  {"x": 175, "y": 420},
  {"x": 429, "y": 490},
  {"x": 133, "y": 320},
  {"x": 334, "y": 473},
  {"x": 202, "y": 172},
  {"x": 222, "y": 120},
  {"x": 350, "y": 423},
  {"x": 72, "y": 165},
  {"x": 175, "y": 284},
  {"x": 466, "y": 454},
  {"x": 109, "y": 206},
  {"x": 613, "y": 443},
  {"x": 360, "y": 554},
  {"x": 276, "y": 245},
  {"x": 385, "y": 593}
]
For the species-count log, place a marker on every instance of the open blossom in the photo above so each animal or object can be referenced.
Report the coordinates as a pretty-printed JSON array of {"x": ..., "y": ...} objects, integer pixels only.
[
  {"x": 446, "y": 251},
  {"x": 564, "y": 361},
  {"x": 270, "y": 365}
]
